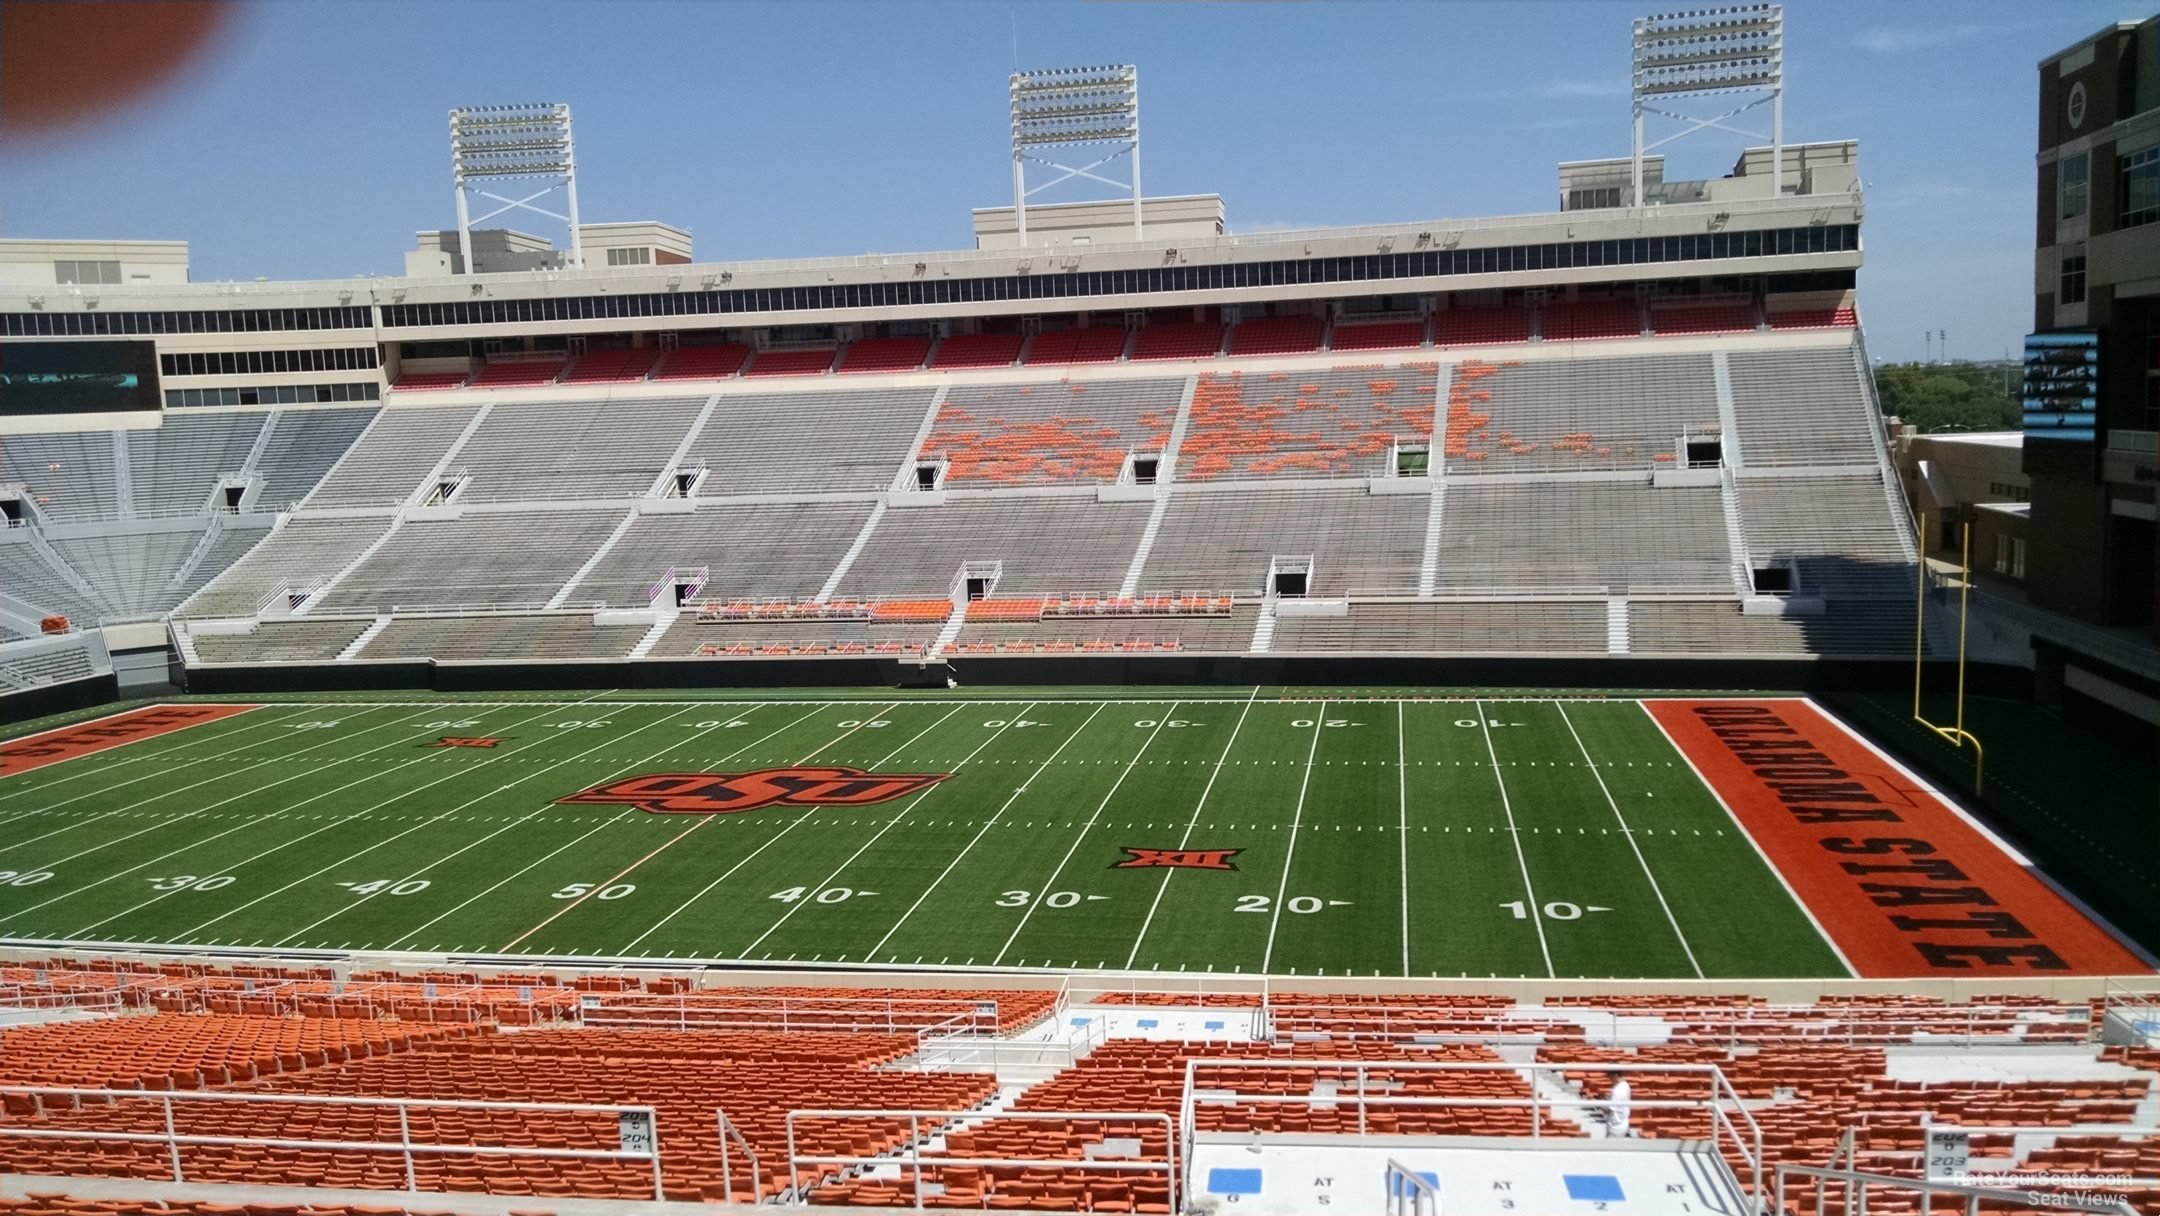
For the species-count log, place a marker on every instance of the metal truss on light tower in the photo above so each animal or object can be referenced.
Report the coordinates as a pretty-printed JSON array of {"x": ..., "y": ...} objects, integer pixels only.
[
  {"x": 1712, "y": 52},
  {"x": 505, "y": 143},
  {"x": 1075, "y": 107}
]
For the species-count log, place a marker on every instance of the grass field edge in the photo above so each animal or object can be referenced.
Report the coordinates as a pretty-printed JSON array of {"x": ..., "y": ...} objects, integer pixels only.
[{"x": 1957, "y": 807}]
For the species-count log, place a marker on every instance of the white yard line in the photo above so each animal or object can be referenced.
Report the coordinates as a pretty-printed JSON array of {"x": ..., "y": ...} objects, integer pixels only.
[
  {"x": 981, "y": 832},
  {"x": 1192, "y": 825},
  {"x": 247, "y": 793},
  {"x": 838, "y": 870},
  {"x": 513, "y": 824},
  {"x": 117, "y": 757},
  {"x": 1297, "y": 822},
  {"x": 739, "y": 862},
  {"x": 514, "y": 875},
  {"x": 1537, "y": 915},
  {"x": 137, "y": 780},
  {"x": 430, "y": 821},
  {"x": 1050, "y": 884},
  {"x": 228, "y": 866},
  {"x": 1629, "y": 833},
  {"x": 1402, "y": 829},
  {"x": 1752, "y": 843},
  {"x": 626, "y": 871}
]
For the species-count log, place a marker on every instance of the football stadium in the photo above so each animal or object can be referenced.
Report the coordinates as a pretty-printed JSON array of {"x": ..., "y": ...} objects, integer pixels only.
[{"x": 1482, "y": 715}]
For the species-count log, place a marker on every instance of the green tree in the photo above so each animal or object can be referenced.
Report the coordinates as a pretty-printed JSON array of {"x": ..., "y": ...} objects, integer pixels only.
[{"x": 1932, "y": 396}]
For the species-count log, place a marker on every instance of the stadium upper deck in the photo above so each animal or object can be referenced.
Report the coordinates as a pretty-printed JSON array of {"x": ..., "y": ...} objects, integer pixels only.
[{"x": 1734, "y": 229}]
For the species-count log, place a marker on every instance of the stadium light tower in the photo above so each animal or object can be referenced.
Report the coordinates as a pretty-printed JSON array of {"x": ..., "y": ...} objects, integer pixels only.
[
  {"x": 504, "y": 143},
  {"x": 1727, "y": 53},
  {"x": 1075, "y": 107}
]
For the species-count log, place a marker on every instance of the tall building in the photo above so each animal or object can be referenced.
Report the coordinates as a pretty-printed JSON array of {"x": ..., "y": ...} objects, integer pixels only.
[{"x": 2096, "y": 271}]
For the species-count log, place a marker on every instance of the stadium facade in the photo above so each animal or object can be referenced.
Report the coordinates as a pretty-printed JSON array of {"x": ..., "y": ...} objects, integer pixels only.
[{"x": 2095, "y": 546}]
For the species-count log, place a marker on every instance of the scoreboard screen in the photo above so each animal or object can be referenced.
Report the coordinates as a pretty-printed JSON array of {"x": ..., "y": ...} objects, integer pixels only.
[
  {"x": 2062, "y": 385},
  {"x": 77, "y": 378}
]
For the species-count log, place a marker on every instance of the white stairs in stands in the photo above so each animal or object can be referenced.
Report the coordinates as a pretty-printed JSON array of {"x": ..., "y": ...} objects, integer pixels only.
[
  {"x": 316, "y": 596},
  {"x": 123, "y": 475},
  {"x": 1130, "y": 585},
  {"x": 862, "y": 538},
  {"x": 652, "y": 636},
  {"x": 1263, "y": 633},
  {"x": 562, "y": 593},
  {"x": 951, "y": 630},
  {"x": 1616, "y": 625},
  {"x": 353, "y": 648},
  {"x": 1735, "y": 537}
]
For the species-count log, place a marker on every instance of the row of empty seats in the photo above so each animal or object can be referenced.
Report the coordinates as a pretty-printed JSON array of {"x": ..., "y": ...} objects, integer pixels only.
[
  {"x": 173, "y": 469},
  {"x": 1276, "y": 335},
  {"x": 1582, "y": 536}
]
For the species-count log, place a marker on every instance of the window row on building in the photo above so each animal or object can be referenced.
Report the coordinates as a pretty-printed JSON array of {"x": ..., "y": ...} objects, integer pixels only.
[
  {"x": 2137, "y": 187},
  {"x": 1049, "y": 285},
  {"x": 281, "y": 394},
  {"x": 1075, "y": 285},
  {"x": 85, "y": 273},
  {"x": 101, "y": 323},
  {"x": 264, "y": 362}
]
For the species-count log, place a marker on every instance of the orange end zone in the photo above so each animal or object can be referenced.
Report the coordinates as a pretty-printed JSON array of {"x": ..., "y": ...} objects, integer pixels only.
[
  {"x": 1905, "y": 886},
  {"x": 68, "y": 742}
]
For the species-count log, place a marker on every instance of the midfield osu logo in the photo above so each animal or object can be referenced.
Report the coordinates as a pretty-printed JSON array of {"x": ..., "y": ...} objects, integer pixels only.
[{"x": 726, "y": 793}]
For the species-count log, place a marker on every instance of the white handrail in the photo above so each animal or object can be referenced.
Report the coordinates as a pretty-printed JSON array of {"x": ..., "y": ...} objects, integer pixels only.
[
  {"x": 1979, "y": 1022},
  {"x": 1365, "y": 1096},
  {"x": 172, "y": 1138},
  {"x": 719, "y": 1011},
  {"x": 1408, "y": 1194},
  {"x": 1169, "y": 1168},
  {"x": 729, "y": 1132}
]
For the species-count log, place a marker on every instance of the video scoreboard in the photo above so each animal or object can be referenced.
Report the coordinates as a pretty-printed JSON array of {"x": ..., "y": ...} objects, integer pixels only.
[
  {"x": 2062, "y": 386},
  {"x": 102, "y": 377}
]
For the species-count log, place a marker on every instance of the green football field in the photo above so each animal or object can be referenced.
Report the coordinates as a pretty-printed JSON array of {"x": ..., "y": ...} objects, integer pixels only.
[{"x": 1225, "y": 833}]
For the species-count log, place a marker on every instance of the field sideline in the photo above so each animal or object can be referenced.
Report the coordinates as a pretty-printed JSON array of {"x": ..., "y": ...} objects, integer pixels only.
[{"x": 1305, "y": 836}]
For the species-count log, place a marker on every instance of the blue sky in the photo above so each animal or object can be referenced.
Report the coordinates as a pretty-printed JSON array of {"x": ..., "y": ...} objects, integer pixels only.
[{"x": 311, "y": 143}]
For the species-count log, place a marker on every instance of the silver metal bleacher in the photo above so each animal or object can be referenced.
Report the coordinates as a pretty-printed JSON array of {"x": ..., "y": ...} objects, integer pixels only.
[
  {"x": 176, "y": 466},
  {"x": 1802, "y": 407},
  {"x": 1837, "y": 531},
  {"x": 1606, "y": 412},
  {"x": 1582, "y": 536},
  {"x": 70, "y": 474},
  {"x": 575, "y": 449},
  {"x": 1225, "y": 539},
  {"x": 478, "y": 560},
  {"x": 304, "y": 446},
  {"x": 301, "y": 554},
  {"x": 784, "y": 550},
  {"x": 1045, "y": 545},
  {"x": 806, "y": 442},
  {"x": 387, "y": 463}
]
